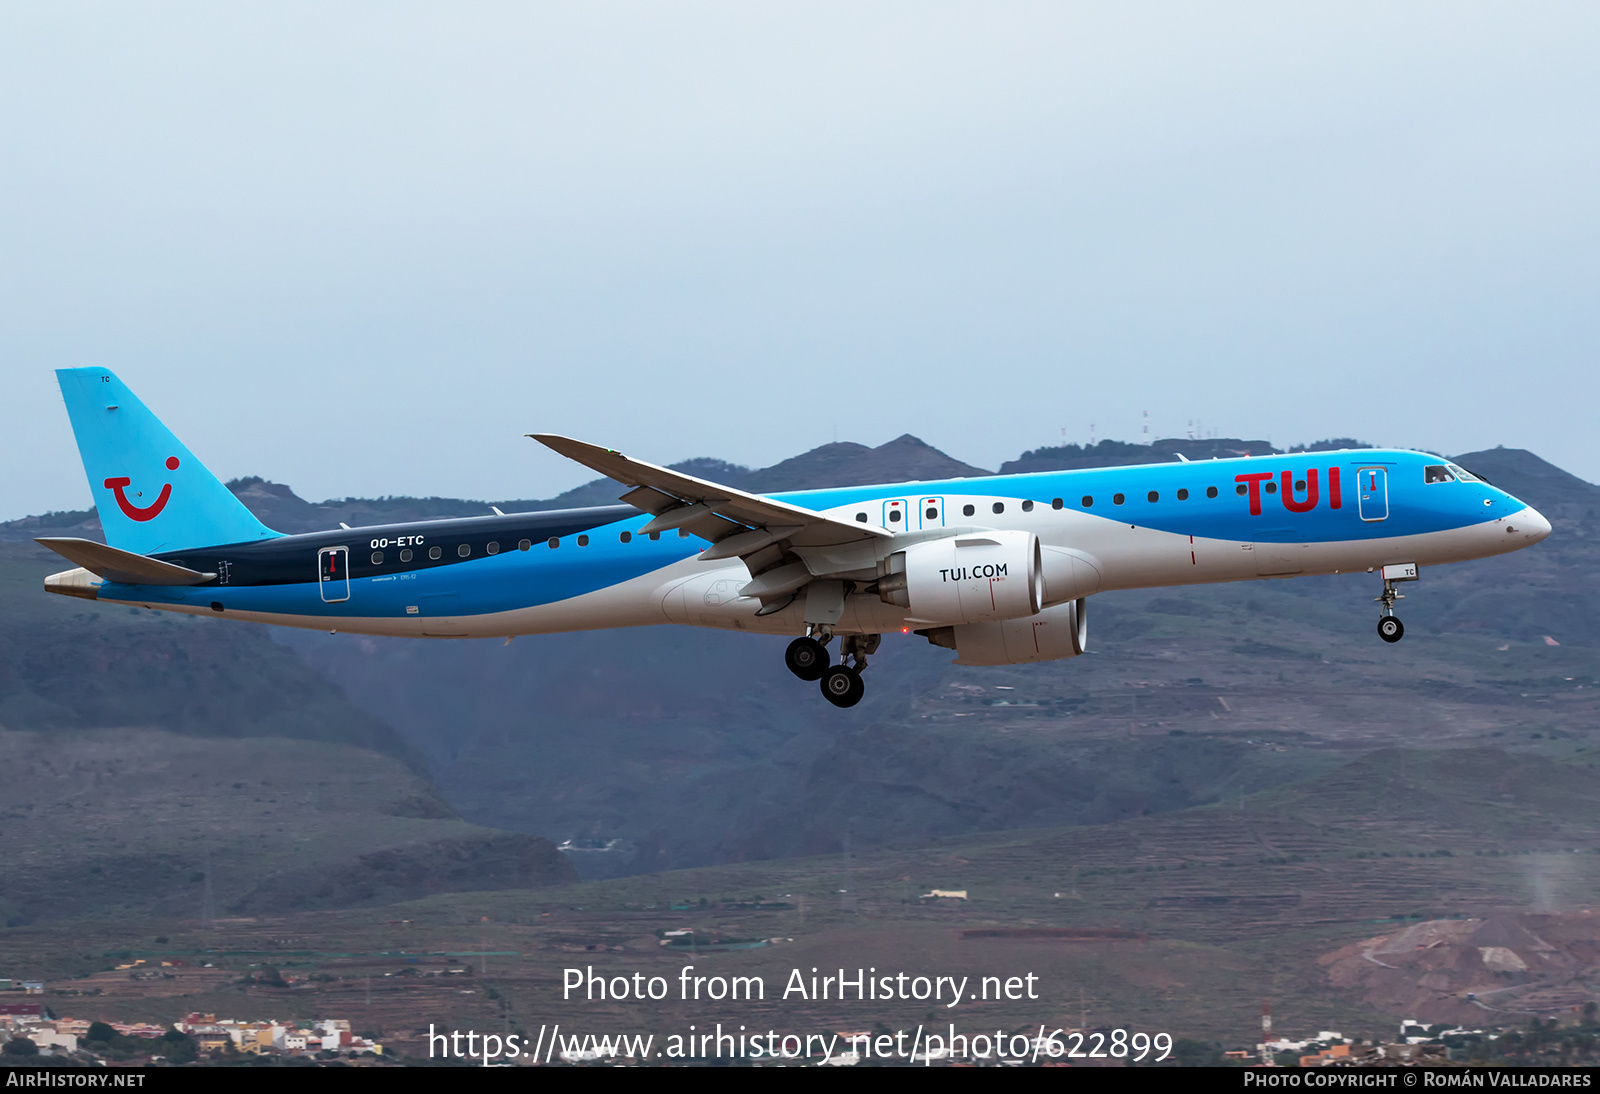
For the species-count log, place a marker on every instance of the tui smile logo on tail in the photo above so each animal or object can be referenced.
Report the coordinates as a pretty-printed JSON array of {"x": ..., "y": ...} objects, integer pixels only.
[{"x": 149, "y": 512}]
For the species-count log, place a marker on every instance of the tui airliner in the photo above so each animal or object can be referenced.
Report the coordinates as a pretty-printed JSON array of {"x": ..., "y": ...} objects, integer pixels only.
[{"x": 997, "y": 569}]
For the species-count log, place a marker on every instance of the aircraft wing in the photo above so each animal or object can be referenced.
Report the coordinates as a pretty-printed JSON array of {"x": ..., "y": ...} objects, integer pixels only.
[{"x": 759, "y": 530}]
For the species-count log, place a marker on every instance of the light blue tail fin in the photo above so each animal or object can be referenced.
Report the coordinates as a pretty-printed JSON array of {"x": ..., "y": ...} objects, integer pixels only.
[{"x": 151, "y": 493}]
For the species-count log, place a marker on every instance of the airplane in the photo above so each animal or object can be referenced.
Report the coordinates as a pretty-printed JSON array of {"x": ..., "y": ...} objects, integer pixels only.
[{"x": 998, "y": 569}]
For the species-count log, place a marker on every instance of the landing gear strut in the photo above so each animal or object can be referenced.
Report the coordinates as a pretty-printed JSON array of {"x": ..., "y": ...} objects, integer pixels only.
[{"x": 1390, "y": 629}]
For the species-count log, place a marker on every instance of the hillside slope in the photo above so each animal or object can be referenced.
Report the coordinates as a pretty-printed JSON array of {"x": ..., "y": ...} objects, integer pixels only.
[
  {"x": 673, "y": 747},
  {"x": 690, "y": 747},
  {"x": 140, "y": 821},
  {"x": 73, "y": 664}
]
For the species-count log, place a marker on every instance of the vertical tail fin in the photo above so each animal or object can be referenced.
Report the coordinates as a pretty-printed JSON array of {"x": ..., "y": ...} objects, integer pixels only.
[{"x": 151, "y": 492}]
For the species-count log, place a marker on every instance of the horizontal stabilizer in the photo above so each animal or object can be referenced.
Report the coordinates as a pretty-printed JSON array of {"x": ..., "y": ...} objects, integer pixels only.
[{"x": 123, "y": 567}]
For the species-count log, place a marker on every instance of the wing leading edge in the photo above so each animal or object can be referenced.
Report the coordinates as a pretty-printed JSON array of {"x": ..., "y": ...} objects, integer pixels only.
[{"x": 784, "y": 546}]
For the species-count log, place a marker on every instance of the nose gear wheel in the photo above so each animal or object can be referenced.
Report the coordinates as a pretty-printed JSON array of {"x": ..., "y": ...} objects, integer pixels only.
[{"x": 1390, "y": 629}]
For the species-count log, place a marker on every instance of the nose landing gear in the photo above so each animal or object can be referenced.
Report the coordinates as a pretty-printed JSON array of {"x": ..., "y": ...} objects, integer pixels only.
[{"x": 1390, "y": 629}]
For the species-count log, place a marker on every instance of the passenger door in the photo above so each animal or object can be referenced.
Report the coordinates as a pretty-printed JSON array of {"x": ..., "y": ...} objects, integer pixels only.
[
  {"x": 333, "y": 572},
  {"x": 1372, "y": 487}
]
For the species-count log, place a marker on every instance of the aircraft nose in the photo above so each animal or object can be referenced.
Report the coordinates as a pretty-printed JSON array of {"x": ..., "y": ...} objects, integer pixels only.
[{"x": 1530, "y": 524}]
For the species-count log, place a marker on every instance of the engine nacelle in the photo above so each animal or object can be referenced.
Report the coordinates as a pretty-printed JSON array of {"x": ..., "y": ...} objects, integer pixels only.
[
  {"x": 1053, "y": 634},
  {"x": 966, "y": 579}
]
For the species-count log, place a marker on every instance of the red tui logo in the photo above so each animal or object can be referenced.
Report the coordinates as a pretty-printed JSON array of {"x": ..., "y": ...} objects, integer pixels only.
[
  {"x": 1309, "y": 483},
  {"x": 148, "y": 512}
]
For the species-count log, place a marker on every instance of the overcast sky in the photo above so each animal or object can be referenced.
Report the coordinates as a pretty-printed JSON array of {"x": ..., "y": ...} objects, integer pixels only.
[{"x": 362, "y": 249}]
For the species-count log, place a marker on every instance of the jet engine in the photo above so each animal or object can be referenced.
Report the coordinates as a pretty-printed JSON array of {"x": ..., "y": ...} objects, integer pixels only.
[
  {"x": 969, "y": 578},
  {"x": 1051, "y": 635}
]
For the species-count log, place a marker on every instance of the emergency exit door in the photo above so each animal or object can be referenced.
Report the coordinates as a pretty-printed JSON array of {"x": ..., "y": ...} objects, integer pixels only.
[
  {"x": 930, "y": 513},
  {"x": 333, "y": 572},
  {"x": 1372, "y": 485}
]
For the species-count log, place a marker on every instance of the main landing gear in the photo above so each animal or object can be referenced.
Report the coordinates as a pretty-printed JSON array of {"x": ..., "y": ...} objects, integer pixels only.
[
  {"x": 842, "y": 686},
  {"x": 807, "y": 658}
]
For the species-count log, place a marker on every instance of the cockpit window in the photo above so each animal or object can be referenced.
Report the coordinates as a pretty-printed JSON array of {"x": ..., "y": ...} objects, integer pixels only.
[
  {"x": 1463, "y": 474},
  {"x": 1437, "y": 472}
]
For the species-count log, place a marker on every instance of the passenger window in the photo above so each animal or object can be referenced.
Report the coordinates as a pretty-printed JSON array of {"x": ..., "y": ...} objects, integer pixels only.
[
  {"x": 1056, "y": 503},
  {"x": 1027, "y": 507},
  {"x": 999, "y": 507},
  {"x": 1272, "y": 487},
  {"x": 377, "y": 558},
  {"x": 655, "y": 535},
  {"x": 1117, "y": 499},
  {"x": 1211, "y": 491},
  {"x": 1241, "y": 490},
  {"x": 1153, "y": 496},
  {"x": 583, "y": 541},
  {"x": 967, "y": 510},
  {"x": 493, "y": 548},
  {"x": 627, "y": 537},
  {"x": 1183, "y": 495},
  {"x": 683, "y": 533},
  {"x": 894, "y": 516},
  {"x": 405, "y": 556},
  {"x": 553, "y": 543},
  {"x": 1087, "y": 501},
  {"x": 435, "y": 553},
  {"x": 932, "y": 514},
  {"x": 523, "y": 545},
  {"x": 1433, "y": 473},
  {"x": 464, "y": 550},
  {"x": 862, "y": 517}
]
